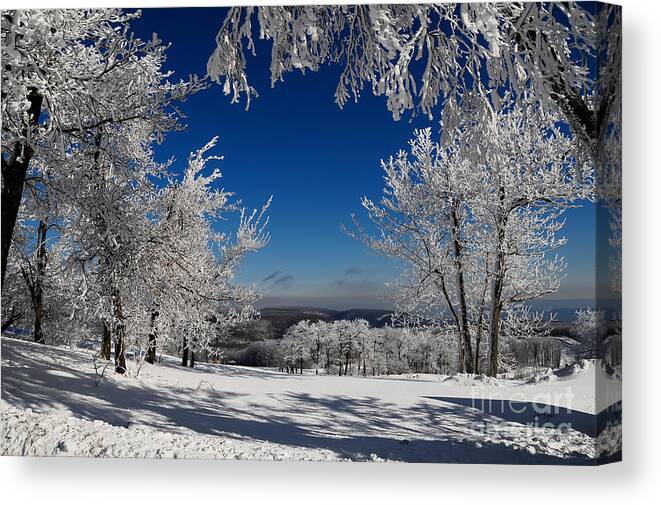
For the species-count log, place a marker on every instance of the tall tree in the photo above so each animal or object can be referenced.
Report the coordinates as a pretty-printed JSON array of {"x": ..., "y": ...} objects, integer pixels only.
[
  {"x": 192, "y": 267},
  {"x": 482, "y": 211}
]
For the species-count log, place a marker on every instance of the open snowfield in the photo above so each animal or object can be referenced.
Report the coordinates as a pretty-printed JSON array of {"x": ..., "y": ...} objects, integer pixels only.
[{"x": 53, "y": 403}]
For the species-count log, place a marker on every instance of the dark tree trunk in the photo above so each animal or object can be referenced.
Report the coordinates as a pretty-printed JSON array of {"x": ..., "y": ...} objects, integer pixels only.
[
  {"x": 480, "y": 321},
  {"x": 461, "y": 347},
  {"x": 34, "y": 280},
  {"x": 38, "y": 292},
  {"x": 191, "y": 353},
  {"x": 301, "y": 363},
  {"x": 184, "y": 353},
  {"x": 496, "y": 309},
  {"x": 150, "y": 357},
  {"x": 478, "y": 341},
  {"x": 14, "y": 170},
  {"x": 318, "y": 358},
  {"x": 494, "y": 336},
  {"x": 120, "y": 358},
  {"x": 106, "y": 342},
  {"x": 461, "y": 354},
  {"x": 496, "y": 296},
  {"x": 119, "y": 330},
  {"x": 38, "y": 331},
  {"x": 467, "y": 353}
]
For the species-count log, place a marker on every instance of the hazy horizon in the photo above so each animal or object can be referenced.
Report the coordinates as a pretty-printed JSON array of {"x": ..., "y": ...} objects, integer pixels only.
[{"x": 346, "y": 304}]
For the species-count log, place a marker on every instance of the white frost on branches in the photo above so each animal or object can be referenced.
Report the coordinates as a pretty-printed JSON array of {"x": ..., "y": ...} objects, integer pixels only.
[
  {"x": 548, "y": 49},
  {"x": 477, "y": 220}
]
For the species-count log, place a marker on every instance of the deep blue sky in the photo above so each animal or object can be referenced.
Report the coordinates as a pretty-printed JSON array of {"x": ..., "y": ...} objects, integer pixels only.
[{"x": 317, "y": 161}]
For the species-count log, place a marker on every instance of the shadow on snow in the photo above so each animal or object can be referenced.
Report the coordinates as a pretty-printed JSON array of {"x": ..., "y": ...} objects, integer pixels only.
[{"x": 330, "y": 422}]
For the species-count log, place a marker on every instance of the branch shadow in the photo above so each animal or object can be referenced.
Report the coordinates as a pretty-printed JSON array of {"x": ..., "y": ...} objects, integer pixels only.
[{"x": 533, "y": 414}]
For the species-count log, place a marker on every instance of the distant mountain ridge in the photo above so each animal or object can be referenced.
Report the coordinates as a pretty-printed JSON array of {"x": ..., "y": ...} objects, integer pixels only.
[{"x": 564, "y": 310}]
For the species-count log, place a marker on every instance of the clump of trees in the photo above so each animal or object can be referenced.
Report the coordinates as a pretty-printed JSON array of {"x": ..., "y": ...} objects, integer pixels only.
[
  {"x": 536, "y": 353},
  {"x": 99, "y": 240},
  {"x": 352, "y": 347}
]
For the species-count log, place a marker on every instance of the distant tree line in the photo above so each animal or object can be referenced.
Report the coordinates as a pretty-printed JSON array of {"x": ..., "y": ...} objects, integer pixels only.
[{"x": 354, "y": 348}]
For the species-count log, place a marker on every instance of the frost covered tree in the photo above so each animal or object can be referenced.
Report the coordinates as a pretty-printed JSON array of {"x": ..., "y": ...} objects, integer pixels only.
[
  {"x": 426, "y": 218},
  {"x": 419, "y": 56},
  {"x": 67, "y": 75},
  {"x": 154, "y": 267},
  {"x": 531, "y": 176},
  {"x": 109, "y": 199},
  {"x": 296, "y": 345},
  {"x": 421, "y": 350},
  {"x": 191, "y": 283},
  {"x": 323, "y": 331},
  {"x": 522, "y": 324},
  {"x": 476, "y": 220},
  {"x": 590, "y": 326},
  {"x": 347, "y": 334},
  {"x": 33, "y": 258},
  {"x": 307, "y": 340},
  {"x": 140, "y": 247},
  {"x": 83, "y": 102}
]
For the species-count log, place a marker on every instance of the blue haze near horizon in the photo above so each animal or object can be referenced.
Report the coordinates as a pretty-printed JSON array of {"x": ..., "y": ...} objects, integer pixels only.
[{"x": 317, "y": 161}]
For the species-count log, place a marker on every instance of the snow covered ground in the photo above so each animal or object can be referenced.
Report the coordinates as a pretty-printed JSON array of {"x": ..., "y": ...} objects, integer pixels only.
[{"x": 53, "y": 403}]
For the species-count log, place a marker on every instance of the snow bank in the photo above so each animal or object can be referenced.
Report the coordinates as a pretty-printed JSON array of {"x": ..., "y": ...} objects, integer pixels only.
[
  {"x": 548, "y": 376},
  {"x": 28, "y": 433},
  {"x": 470, "y": 380},
  {"x": 567, "y": 372}
]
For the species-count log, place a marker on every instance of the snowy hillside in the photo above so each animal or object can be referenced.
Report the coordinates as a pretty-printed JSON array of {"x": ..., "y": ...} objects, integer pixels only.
[{"x": 53, "y": 403}]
